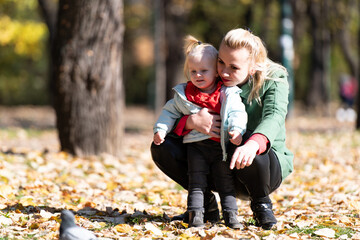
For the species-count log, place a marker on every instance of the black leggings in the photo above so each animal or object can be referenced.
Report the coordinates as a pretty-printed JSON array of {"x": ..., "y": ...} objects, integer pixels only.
[
  {"x": 205, "y": 163},
  {"x": 258, "y": 180}
]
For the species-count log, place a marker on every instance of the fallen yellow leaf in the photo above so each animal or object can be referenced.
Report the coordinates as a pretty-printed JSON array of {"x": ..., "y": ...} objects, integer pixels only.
[
  {"x": 5, "y": 190},
  {"x": 123, "y": 228},
  {"x": 27, "y": 202},
  {"x": 111, "y": 185}
]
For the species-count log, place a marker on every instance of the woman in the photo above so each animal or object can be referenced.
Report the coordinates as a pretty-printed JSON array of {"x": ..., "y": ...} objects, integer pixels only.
[{"x": 262, "y": 162}]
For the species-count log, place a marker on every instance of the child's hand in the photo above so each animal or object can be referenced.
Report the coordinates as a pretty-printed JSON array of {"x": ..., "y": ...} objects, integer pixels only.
[
  {"x": 235, "y": 137},
  {"x": 159, "y": 138}
]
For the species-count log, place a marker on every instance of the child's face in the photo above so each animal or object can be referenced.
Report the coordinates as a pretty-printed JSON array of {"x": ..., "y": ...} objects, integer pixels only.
[
  {"x": 234, "y": 65},
  {"x": 202, "y": 70}
]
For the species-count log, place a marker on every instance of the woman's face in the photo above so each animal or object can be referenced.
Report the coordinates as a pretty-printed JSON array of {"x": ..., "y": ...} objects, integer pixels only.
[{"x": 234, "y": 65}]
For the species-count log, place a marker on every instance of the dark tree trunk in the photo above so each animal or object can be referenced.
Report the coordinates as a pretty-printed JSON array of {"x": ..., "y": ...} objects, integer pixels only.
[
  {"x": 320, "y": 55},
  {"x": 342, "y": 12},
  {"x": 343, "y": 32},
  {"x": 175, "y": 24},
  {"x": 266, "y": 28},
  {"x": 49, "y": 10},
  {"x": 347, "y": 49},
  {"x": 300, "y": 21},
  {"x": 160, "y": 54},
  {"x": 249, "y": 16},
  {"x": 87, "y": 70}
]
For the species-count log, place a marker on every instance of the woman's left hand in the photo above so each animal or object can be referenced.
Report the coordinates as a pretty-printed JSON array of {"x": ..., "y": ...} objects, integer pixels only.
[{"x": 244, "y": 155}]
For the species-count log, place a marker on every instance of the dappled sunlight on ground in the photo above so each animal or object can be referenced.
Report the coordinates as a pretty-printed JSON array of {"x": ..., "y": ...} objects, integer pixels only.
[{"x": 130, "y": 197}]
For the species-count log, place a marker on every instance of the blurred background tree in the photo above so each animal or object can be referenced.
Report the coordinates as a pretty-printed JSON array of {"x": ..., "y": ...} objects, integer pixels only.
[
  {"x": 23, "y": 57},
  {"x": 325, "y": 42}
]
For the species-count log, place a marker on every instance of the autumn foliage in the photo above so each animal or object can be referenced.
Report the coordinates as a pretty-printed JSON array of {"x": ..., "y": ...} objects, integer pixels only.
[{"x": 130, "y": 198}]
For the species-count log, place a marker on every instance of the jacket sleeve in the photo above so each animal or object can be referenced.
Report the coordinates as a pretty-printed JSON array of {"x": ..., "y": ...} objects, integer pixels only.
[
  {"x": 169, "y": 114},
  {"x": 237, "y": 118},
  {"x": 275, "y": 102}
]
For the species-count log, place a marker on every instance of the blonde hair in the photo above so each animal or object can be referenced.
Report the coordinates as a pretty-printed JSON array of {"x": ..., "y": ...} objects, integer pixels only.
[
  {"x": 194, "y": 47},
  {"x": 264, "y": 67}
]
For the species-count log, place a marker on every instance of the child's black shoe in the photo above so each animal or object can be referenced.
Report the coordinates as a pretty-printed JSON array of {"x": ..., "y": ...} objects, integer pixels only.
[
  {"x": 231, "y": 220},
  {"x": 196, "y": 218}
]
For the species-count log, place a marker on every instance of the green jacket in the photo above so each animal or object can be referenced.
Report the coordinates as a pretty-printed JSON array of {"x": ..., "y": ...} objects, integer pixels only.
[{"x": 269, "y": 117}]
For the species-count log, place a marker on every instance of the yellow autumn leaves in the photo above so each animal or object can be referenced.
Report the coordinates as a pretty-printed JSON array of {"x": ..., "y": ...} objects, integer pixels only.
[
  {"x": 23, "y": 36},
  {"x": 131, "y": 198}
]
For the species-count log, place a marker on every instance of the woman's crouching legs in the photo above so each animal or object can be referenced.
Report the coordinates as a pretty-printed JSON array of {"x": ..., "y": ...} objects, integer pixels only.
[{"x": 256, "y": 182}]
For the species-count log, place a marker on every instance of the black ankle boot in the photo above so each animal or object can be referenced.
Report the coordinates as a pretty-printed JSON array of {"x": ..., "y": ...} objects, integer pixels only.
[
  {"x": 196, "y": 218},
  {"x": 211, "y": 214},
  {"x": 262, "y": 212},
  {"x": 231, "y": 220}
]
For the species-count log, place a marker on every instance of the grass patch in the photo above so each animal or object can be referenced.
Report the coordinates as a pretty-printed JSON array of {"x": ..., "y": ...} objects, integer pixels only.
[
  {"x": 15, "y": 133},
  {"x": 339, "y": 231},
  {"x": 105, "y": 226}
]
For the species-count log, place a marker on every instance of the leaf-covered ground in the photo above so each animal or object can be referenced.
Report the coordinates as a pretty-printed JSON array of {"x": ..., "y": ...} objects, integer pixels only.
[{"x": 129, "y": 198}]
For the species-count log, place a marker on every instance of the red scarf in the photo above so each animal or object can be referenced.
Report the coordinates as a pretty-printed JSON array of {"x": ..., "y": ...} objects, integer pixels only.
[{"x": 207, "y": 100}]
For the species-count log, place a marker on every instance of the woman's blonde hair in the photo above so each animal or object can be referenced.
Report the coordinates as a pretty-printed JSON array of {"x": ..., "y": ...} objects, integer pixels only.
[
  {"x": 263, "y": 66},
  {"x": 193, "y": 47}
]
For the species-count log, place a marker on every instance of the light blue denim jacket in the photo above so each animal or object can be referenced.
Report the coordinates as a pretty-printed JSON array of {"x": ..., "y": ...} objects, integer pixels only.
[{"x": 233, "y": 115}]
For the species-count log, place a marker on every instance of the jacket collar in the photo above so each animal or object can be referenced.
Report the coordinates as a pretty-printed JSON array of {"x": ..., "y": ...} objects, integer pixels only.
[{"x": 246, "y": 88}]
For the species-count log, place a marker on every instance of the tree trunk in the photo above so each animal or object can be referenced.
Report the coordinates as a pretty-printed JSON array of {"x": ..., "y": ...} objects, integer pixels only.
[
  {"x": 49, "y": 10},
  {"x": 320, "y": 55},
  {"x": 342, "y": 12},
  {"x": 87, "y": 70},
  {"x": 174, "y": 32},
  {"x": 343, "y": 34},
  {"x": 160, "y": 54},
  {"x": 287, "y": 48}
]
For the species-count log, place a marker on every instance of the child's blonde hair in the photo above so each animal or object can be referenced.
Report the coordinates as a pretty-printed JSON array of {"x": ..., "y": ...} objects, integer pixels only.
[
  {"x": 193, "y": 47},
  {"x": 264, "y": 67}
]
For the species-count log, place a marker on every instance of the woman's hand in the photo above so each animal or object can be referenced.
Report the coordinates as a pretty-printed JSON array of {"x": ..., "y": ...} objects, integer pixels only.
[
  {"x": 205, "y": 122},
  {"x": 244, "y": 155}
]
